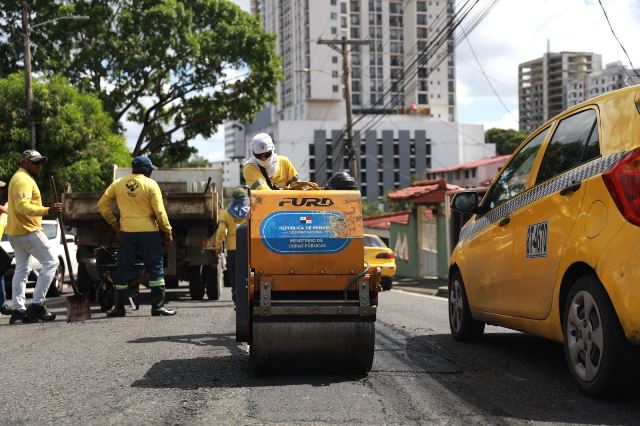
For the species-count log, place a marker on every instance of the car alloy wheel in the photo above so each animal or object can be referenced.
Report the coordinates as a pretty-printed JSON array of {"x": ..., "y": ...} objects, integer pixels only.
[
  {"x": 585, "y": 336},
  {"x": 462, "y": 324},
  {"x": 456, "y": 305}
]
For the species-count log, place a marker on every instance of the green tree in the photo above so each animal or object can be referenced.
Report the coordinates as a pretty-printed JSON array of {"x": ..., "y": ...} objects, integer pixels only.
[
  {"x": 506, "y": 140},
  {"x": 172, "y": 66},
  {"x": 72, "y": 130}
]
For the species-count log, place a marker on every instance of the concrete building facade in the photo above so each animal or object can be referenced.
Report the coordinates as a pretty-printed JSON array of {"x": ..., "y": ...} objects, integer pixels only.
[
  {"x": 614, "y": 76},
  {"x": 383, "y": 78},
  {"x": 542, "y": 84},
  {"x": 398, "y": 151}
]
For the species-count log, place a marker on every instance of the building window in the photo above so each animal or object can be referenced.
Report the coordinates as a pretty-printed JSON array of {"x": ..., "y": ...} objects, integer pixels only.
[
  {"x": 335, "y": 88},
  {"x": 334, "y": 30},
  {"x": 334, "y": 59},
  {"x": 334, "y": 15},
  {"x": 333, "y": 2}
]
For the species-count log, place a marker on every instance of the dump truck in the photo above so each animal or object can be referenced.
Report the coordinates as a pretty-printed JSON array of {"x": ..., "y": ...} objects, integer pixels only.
[
  {"x": 303, "y": 295},
  {"x": 192, "y": 198}
]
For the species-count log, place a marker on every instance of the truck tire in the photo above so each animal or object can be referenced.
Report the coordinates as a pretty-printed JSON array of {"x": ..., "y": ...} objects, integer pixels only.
[
  {"x": 85, "y": 283},
  {"x": 55, "y": 288},
  {"x": 211, "y": 281},
  {"x": 242, "y": 289},
  {"x": 196, "y": 289},
  {"x": 8, "y": 286}
]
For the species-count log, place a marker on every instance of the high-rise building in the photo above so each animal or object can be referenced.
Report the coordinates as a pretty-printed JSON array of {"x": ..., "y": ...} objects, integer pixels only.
[
  {"x": 614, "y": 76},
  {"x": 542, "y": 84},
  {"x": 384, "y": 75}
]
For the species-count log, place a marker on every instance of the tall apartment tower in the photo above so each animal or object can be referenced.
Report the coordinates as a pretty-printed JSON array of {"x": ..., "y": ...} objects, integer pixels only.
[
  {"x": 384, "y": 77},
  {"x": 542, "y": 84}
]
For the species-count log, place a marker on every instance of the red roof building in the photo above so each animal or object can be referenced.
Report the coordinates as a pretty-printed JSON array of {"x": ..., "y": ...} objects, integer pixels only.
[{"x": 471, "y": 174}]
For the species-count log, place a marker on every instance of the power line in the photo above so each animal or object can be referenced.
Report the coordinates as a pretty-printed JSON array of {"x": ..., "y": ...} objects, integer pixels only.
[
  {"x": 486, "y": 77},
  {"x": 619, "y": 42}
]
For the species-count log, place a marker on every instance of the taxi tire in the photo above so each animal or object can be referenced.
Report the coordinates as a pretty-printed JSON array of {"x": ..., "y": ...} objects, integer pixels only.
[
  {"x": 613, "y": 374},
  {"x": 469, "y": 329}
]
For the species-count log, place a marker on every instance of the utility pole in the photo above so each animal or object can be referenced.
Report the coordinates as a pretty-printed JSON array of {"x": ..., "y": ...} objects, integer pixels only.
[
  {"x": 342, "y": 46},
  {"x": 27, "y": 72}
]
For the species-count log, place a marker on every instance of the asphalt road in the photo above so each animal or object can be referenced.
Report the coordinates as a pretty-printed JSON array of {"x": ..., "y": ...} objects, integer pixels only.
[{"x": 188, "y": 369}]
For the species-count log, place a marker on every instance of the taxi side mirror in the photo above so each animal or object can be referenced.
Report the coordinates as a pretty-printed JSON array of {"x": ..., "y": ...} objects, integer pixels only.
[{"x": 466, "y": 202}]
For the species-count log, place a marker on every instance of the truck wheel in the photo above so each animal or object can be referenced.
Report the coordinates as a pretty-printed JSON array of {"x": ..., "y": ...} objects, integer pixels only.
[
  {"x": 386, "y": 283},
  {"x": 85, "y": 283},
  {"x": 595, "y": 347},
  {"x": 463, "y": 327},
  {"x": 196, "y": 289},
  {"x": 210, "y": 278},
  {"x": 8, "y": 286},
  {"x": 55, "y": 288}
]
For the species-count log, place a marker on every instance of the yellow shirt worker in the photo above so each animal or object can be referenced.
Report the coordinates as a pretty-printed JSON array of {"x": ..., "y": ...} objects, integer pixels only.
[
  {"x": 142, "y": 216},
  {"x": 24, "y": 228},
  {"x": 4, "y": 307},
  {"x": 266, "y": 169},
  {"x": 234, "y": 216}
]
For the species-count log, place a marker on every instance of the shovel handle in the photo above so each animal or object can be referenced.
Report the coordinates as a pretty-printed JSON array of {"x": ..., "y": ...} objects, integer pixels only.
[{"x": 64, "y": 238}]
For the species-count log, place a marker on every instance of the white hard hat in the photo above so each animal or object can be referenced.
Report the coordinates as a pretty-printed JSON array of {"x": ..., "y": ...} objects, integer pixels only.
[{"x": 262, "y": 143}]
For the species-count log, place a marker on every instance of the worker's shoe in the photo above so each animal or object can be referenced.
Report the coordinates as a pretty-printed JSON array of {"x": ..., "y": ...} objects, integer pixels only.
[
  {"x": 157, "y": 303},
  {"x": 118, "y": 310},
  {"x": 17, "y": 315},
  {"x": 37, "y": 313},
  {"x": 5, "y": 309}
]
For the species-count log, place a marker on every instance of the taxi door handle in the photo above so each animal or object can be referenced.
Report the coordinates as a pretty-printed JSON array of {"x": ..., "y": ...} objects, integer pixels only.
[
  {"x": 571, "y": 188},
  {"x": 504, "y": 221}
]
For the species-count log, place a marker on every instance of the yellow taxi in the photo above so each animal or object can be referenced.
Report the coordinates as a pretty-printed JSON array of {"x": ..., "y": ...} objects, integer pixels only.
[
  {"x": 552, "y": 249},
  {"x": 376, "y": 253}
]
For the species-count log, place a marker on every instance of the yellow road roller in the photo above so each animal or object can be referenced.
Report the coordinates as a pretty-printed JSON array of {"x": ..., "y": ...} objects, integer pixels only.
[{"x": 303, "y": 295}]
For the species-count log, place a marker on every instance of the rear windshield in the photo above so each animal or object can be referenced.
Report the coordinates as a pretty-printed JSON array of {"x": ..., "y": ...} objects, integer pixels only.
[{"x": 373, "y": 241}]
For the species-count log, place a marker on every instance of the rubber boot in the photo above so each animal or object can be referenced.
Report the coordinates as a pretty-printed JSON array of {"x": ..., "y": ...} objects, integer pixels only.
[
  {"x": 118, "y": 310},
  {"x": 157, "y": 303},
  {"x": 37, "y": 313}
]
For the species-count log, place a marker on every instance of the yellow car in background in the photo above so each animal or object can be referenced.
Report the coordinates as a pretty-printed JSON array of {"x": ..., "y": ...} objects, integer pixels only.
[
  {"x": 553, "y": 247},
  {"x": 376, "y": 253}
]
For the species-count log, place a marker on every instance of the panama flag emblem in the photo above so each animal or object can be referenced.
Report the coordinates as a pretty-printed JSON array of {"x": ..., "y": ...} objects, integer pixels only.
[{"x": 305, "y": 219}]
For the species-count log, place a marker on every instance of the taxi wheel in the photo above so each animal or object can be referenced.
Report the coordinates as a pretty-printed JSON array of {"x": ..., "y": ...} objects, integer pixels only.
[
  {"x": 463, "y": 327},
  {"x": 595, "y": 347}
]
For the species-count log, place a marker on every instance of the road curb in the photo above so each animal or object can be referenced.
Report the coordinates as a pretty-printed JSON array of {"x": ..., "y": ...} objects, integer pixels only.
[{"x": 443, "y": 291}]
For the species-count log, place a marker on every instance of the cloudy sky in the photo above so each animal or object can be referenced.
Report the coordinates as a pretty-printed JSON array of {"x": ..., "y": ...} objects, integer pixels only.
[{"x": 516, "y": 31}]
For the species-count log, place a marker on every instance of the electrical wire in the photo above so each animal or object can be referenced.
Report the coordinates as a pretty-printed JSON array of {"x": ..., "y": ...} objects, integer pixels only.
[{"x": 619, "y": 42}]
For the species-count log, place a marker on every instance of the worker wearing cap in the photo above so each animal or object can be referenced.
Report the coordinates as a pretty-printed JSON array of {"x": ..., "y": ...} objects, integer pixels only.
[
  {"x": 24, "y": 228},
  {"x": 234, "y": 216},
  {"x": 142, "y": 215},
  {"x": 5, "y": 309},
  {"x": 265, "y": 169}
]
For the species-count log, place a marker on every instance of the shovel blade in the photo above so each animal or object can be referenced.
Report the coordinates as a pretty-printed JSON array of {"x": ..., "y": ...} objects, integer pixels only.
[{"x": 78, "y": 308}]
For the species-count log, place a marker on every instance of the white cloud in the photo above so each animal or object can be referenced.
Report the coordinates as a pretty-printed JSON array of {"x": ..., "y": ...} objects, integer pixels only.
[{"x": 517, "y": 31}]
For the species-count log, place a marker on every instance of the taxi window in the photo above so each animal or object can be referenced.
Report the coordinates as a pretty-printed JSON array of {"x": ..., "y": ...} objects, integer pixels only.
[
  {"x": 515, "y": 175},
  {"x": 373, "y": 241},
  {"x": 574, "y": 142}
]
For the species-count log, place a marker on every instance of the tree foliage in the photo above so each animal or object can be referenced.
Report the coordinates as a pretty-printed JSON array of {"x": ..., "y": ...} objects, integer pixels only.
[
  {"x": 506, "y": 140},
  {"x": 168, "y": 65},
  {"x": 72, "y": 130}
]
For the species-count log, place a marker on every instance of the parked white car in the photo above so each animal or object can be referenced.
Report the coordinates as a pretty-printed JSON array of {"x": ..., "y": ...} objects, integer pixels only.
[{"x": 52, "y": 231}]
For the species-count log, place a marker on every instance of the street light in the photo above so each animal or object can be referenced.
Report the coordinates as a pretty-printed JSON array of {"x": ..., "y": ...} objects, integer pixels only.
[{"x": 26, "y": 31}]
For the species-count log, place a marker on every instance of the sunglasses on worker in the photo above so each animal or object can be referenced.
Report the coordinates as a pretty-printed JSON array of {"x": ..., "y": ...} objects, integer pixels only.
[{"x": 263, "y": 156}]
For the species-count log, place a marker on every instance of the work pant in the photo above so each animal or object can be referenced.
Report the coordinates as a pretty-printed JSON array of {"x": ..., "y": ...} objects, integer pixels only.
[
  {"x": 231, "y": 272},
  {"x": 147, "y": 244},
  {"x": 3, "y": 291},
  {"x": 34, "y": 244}
]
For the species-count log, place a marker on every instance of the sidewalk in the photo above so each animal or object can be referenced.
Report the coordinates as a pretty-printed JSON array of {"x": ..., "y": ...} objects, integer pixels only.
[{"x": 430, "y": 286}]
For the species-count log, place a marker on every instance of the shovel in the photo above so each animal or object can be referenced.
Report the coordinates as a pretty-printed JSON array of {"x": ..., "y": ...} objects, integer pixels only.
[{"x": 78, "y": 306}]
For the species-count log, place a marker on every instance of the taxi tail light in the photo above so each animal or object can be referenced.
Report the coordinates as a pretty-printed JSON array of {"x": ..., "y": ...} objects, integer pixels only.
[
  {"x": 623, "y": 182},
  {"x": 385, "y": 256}
]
